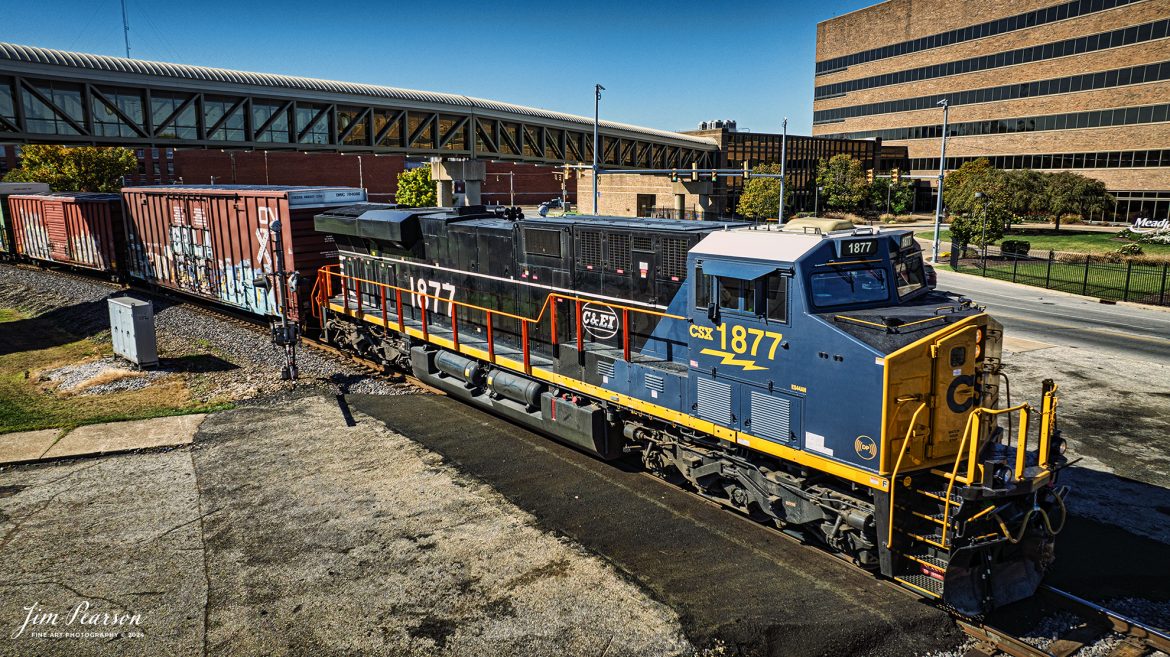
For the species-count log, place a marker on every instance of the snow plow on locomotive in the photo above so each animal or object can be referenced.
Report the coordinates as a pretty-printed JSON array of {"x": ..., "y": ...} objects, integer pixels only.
[{"x": 808, "y": 377}]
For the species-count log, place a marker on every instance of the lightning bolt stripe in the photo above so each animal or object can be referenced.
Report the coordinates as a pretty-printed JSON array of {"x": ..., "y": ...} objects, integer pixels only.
[{"x": 730, "y": 359}]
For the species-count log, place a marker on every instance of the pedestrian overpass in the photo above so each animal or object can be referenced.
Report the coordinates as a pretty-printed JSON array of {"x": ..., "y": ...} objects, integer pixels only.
[{"x": 54, "y": 96}]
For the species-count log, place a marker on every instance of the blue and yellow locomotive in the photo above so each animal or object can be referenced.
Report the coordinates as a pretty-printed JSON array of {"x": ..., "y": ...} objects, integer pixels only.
[{"x": 805, "y": 376}]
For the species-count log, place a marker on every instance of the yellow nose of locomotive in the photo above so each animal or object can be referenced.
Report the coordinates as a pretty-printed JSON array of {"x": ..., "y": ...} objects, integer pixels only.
[{"x": 973, "y": 511}]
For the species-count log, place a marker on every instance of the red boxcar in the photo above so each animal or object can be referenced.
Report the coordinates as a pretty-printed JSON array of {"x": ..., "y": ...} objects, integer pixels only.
[
  {"x": 80, "y": 229},
  {"x": 216, "y": 241}
]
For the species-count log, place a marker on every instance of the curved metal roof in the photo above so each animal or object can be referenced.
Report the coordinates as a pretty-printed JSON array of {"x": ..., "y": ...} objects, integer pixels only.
[{"x": 48, "y": 56}]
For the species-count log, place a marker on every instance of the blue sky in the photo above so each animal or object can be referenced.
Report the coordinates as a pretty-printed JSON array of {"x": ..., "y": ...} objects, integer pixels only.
[{"x": 665, "y": 64}]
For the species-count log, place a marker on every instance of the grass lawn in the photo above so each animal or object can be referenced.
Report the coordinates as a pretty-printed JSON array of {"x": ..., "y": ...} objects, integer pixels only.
[
  {"x": 29, "y": 345},
  {"x": 1066, "y": 240}
]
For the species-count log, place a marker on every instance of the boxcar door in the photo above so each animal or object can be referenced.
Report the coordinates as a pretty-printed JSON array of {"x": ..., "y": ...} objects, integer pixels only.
[{"x": 190, "y": 242}]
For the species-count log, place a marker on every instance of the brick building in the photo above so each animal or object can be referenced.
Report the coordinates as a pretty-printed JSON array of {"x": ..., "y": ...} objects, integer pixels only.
[
  {"x": 506, "y": 183},
  {"x": 657, "y": 196},
  {"x": 525, "y": 184},
  {"x": 1032, "y": 84}
]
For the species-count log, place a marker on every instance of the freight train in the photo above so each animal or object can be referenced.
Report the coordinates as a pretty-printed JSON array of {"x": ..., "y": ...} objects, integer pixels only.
[{"x": 804, "y": 376}]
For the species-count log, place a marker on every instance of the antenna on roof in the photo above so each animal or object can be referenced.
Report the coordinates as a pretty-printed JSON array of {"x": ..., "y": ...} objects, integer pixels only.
[{"x": 126, "y": 29}]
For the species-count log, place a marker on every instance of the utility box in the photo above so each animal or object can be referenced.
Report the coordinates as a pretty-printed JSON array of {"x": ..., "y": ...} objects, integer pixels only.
[{"x": 132, "y": 330}]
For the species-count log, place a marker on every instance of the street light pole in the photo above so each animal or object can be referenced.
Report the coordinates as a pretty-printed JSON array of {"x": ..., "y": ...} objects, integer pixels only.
[
  {"x": 942, "y": 167},
  {"x": 597, "y": 89},
  {"x": 783, "y": 168},
  {"x": 982, "y": 198}
]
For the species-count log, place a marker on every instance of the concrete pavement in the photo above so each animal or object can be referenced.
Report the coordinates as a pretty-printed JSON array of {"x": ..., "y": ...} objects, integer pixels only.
[
  {"x": 1069, "y": 320},
  {"x": 96, "y": 439},
  {"x": 283, "y": 531}
]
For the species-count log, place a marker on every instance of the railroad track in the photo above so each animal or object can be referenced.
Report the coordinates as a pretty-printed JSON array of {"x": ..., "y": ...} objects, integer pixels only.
[{"x": 1095, "y": 623}]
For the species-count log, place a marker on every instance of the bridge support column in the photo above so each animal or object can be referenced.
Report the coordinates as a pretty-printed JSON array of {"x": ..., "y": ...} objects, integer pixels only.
[{"x": 446, "y": 173}]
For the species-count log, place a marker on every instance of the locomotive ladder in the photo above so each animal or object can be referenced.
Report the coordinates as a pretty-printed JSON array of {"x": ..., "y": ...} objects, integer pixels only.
[{"x": 926, "y": 526}]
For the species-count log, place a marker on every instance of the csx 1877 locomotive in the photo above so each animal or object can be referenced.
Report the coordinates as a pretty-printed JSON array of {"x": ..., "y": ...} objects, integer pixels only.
[{"x": 808, "y": 377}]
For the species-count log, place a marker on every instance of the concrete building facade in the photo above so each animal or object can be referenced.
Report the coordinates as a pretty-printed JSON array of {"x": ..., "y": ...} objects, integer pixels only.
[{"x": 1032, "y": 84}]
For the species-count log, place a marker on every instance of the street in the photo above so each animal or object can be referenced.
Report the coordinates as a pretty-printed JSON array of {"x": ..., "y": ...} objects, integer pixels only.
[{"x": 1068, "y": 320}]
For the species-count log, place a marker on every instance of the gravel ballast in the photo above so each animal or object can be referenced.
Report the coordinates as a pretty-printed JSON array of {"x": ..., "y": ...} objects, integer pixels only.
[{"x": 227, "y": 359}]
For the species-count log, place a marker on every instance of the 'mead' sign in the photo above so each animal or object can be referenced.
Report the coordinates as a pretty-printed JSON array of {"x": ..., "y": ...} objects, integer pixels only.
[{"x": 1143, "y": 225}]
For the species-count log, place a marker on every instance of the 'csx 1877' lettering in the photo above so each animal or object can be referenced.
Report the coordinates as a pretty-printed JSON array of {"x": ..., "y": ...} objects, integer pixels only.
[{"x": 743, "y": 340}]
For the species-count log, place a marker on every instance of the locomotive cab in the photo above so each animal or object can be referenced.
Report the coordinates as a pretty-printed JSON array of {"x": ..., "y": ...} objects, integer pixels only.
[{"x": 836, "y": 346}]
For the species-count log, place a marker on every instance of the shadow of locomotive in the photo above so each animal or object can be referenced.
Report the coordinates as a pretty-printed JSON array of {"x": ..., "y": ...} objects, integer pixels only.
[{"x": 1109, "y": 545}]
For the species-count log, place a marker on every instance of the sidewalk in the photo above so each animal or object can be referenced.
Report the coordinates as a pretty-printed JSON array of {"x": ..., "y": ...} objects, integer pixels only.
[{"x": 95, "y": 439}]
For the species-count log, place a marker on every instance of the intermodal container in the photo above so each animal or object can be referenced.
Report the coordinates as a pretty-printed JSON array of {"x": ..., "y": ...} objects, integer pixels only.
[
  {"x": 8, "y": 189},
  {"x": 217, "y": 242},
  {"x": 79, "y": 229}
]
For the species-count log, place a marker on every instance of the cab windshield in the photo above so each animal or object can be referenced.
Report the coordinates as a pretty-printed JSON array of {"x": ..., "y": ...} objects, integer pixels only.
[
  {"x": 840, "y": 288},
  {"x": 909, "y": 273}
]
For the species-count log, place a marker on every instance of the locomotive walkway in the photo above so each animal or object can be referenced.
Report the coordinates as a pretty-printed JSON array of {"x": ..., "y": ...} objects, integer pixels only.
[{"x": 728, "y": 578}]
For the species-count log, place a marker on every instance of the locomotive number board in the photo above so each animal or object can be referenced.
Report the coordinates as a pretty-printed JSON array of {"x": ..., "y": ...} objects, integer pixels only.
[{"x": 857, "y": 248}]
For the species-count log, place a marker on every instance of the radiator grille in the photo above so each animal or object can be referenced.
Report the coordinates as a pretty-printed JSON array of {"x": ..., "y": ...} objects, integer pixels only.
[
  {"x": 605, "y": 368},
  {"x": 674, "y": 258},
  {"x": 590, "y": 257},
  {"x": 714, "y": 401},
  {"x": 618, "y": 252},
  {"x": 655, "y": 383},
  {"x": 770, "y": 417},
  {"x": 642, "y": 243}
]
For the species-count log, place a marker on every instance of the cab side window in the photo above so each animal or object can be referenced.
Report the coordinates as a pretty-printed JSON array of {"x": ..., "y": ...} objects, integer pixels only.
[
  {"x": 702, "y": 288},
  {"x": 777, "y": 297},
  {"x": 736, "y": 294}
]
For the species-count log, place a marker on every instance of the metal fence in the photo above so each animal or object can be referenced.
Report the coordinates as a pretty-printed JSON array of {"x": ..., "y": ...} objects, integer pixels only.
[{"x": 1079, "y": 274}]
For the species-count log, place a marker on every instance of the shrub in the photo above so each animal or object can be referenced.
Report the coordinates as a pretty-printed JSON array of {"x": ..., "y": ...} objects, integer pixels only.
[
  {"x": 887, "y": 218},
  {"x": 1015, "y": 247},
  {"x": 1071, "y": 219},
  {"x": 1130, "y": 249}
]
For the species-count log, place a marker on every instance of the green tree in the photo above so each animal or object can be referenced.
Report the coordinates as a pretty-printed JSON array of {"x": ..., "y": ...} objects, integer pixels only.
[
  {"x": 976, "y": 177},
  {"x": 900, "y": 196},
  {"x": 77, "y": 169},
  {"x": 843, "y": 183},
  {"x": 1071, "y": 193},
  {"x": 415, "y": 188},
  {"x": 979, "y": 227},
  {"x": 977, "y": 196},
  {"x": 761, "y": 196},
  {"x": 1023, "y": 192}
]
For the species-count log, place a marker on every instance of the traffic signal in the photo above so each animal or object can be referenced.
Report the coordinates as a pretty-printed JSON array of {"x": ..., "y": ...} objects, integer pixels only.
[
  {"x": 674, "y": 175},
  {"x": 896, "y": 175},
  {"x": 869, "y": 176}
]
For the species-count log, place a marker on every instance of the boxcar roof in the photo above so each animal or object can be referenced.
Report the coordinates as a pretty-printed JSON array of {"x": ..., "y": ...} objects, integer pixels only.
[{"x": 76, "y": 196}]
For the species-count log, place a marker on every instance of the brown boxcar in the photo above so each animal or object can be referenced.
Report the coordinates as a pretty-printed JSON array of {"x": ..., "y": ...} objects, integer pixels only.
[
  {"x": 216, "y": 241},
  {"x": 79, "y": 229},
  {"x": 6, "y": 190}
]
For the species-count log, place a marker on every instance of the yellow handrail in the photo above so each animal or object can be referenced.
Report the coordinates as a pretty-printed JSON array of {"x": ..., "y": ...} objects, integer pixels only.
[
  {"x": 971, "y": 432},
  {"x": 897, "y": 465}
]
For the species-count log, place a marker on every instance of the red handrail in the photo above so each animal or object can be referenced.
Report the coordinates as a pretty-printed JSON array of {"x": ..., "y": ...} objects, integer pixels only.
[{"x": 324, "y": 293}]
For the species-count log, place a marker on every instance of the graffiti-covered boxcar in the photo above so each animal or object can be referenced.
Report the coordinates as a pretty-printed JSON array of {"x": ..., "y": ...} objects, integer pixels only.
[
  {"x": 217, "y": 242},
  {"x": 6, "y": 190},
  {"x": 77, "y": 229}
]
